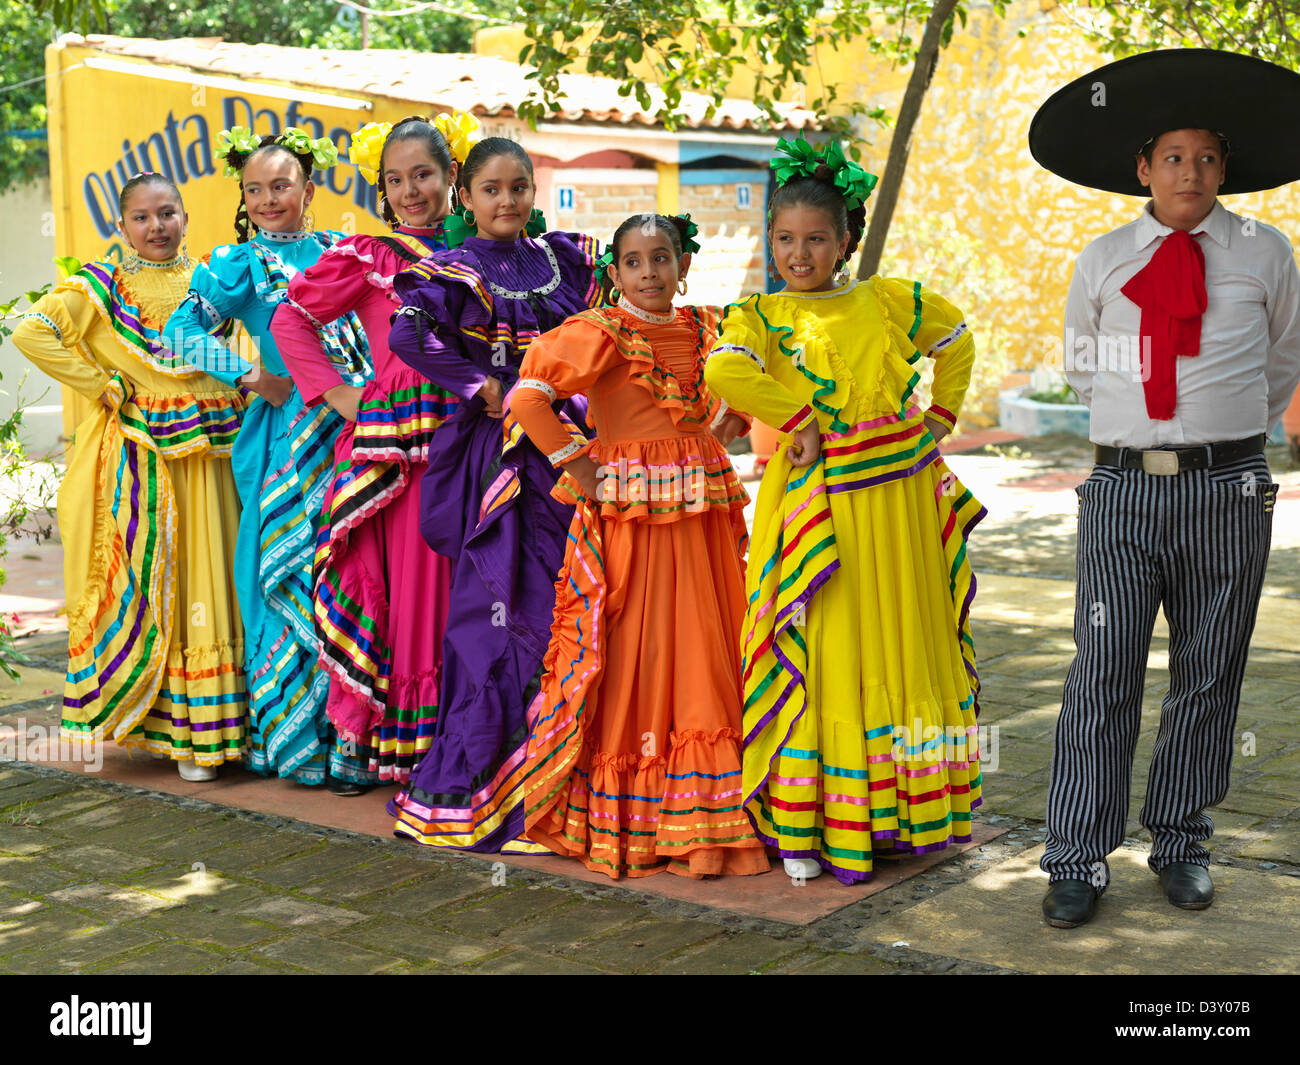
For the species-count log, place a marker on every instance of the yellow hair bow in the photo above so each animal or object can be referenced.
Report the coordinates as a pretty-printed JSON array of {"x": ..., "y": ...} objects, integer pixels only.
[
  {"x": 367, "y": 145},
  {"x": 461, "y": 131}
]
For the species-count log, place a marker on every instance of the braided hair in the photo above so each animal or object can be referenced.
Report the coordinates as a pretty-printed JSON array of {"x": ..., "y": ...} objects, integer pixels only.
[
  {"x": 675, "y": 227},
  {"x": 413, "y": 127},
  {"x": 820, "y": 193},
  {"x": 239, "y": 159}
]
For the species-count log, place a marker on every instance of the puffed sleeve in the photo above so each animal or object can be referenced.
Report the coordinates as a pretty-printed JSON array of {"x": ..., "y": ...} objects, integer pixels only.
[
  {"x": 939, "y": 332},
  {"x": 52, "y": 335},
  {"x": 426, "y": 334},
  {"x": 325, "y": 291},
  {"x": 736, "y": 373},
  {"x": 220, "y": 289},
  {"x": 562, "y": 363}
]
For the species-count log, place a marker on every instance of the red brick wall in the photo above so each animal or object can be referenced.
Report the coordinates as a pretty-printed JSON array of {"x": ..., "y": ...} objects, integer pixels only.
[
  {"x": 730, "y": 261},
  {"x": 601, "y": 209},
  {"x": 729, "y": 264}
]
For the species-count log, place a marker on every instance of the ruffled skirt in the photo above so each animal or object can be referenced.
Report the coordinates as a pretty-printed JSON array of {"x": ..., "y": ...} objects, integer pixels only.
[
  {"x": 492, "y": 513},
  {"x": 154, "y": 633},
  {"x": 381, "y": 611},
  {"x": 634, "y": 762},
  {"x": 859, "y": 670},
  {"x": 282, "y": 462}
]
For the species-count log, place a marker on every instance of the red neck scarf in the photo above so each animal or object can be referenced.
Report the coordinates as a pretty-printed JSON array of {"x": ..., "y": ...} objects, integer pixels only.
[{"x": 1170, "y": 289}]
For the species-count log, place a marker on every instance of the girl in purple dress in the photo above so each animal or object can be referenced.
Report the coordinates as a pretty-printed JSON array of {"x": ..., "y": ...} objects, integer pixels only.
[{"x": 466, "y": 320}]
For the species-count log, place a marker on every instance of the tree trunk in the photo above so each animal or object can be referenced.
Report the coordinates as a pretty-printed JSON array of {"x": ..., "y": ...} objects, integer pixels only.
[{"x": 927, "y": 59}]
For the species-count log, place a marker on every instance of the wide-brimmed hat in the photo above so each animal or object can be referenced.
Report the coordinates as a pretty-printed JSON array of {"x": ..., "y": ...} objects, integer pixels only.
[{"x": 1091, "y": 131}]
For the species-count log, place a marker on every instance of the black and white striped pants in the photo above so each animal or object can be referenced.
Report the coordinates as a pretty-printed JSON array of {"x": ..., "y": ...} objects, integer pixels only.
[{"x": 1198, "y": 543}]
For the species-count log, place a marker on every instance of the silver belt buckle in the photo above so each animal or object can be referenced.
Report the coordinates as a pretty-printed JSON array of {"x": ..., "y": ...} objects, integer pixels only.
[{"x": 1160, "y": 463}]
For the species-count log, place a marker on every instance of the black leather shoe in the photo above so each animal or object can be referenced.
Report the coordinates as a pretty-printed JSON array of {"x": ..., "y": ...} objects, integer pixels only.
[
  {"x": 1069, "y": 903},
  {"x": 345, "y": 788},
  {"x": 1187, "y": 886}
]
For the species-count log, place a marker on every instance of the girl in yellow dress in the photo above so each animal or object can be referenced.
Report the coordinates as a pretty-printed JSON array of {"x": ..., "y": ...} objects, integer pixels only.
[
  {"x": 858, "y": 668},
  {"x": 147, "y": 510}
]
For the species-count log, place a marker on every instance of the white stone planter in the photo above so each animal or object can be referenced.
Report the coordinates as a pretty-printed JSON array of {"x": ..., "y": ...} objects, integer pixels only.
[{"x": 1017, "y": 413}]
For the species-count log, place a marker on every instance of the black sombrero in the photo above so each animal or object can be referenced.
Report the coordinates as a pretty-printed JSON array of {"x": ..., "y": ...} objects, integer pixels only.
[{"x": 1091, "y": 131}]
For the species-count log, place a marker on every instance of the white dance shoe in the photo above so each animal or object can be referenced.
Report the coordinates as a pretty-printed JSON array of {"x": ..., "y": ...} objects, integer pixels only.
[
  {"x": 196, "y": 774},
  {"x": 802, "y": 868}
]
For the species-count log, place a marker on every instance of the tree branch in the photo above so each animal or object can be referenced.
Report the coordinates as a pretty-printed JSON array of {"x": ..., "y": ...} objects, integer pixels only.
[{"x": 927, "y": 58}]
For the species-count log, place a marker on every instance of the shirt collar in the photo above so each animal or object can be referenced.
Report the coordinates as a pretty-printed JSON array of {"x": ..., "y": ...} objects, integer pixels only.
[{"x": 1216, "y": 225}]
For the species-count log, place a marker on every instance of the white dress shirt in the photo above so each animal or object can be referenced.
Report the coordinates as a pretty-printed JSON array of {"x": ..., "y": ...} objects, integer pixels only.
[{"x": 1249, "y": 361}]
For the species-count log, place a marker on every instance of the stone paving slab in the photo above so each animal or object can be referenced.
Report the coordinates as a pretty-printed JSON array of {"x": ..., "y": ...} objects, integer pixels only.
[
  {"x": 80, "y": 952},
  {"x": 996, "y": 918},
  {"x": 419, "y": 943},
  {"x": 310, "y": 953}
]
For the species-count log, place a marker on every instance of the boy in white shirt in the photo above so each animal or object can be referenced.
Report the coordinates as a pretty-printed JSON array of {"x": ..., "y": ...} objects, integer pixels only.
[{"x": 1183, "y": 338}]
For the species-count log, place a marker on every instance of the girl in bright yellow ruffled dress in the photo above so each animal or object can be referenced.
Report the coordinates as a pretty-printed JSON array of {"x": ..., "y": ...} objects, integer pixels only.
[
  {"x": 858, "y": 667},
  {"x": 148, "y": 510}
]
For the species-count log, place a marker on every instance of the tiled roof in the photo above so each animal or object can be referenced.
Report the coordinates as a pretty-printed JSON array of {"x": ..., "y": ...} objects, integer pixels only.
[{"x": 484, "y": 85}]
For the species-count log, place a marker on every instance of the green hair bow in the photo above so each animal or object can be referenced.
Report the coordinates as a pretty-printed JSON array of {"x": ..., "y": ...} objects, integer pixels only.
[
  {"x": 689, "y": 243},
  {"x": 323, "y": 151},
  {"x": 798, "y": 158},
  {"x": 237, "y": 137},
  {"x": 456, "y": 229}
]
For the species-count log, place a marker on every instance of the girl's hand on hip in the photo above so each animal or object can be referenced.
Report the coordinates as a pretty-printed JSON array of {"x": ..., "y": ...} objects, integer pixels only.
[
  {"x": 492, "y": 395},
  {"x": 731, "y": 426},
  {"x": 273, "y": 388},
  {"x": 345, "y": 399},
  {"x": 586, "y": 473},
  {"x": 806, "y": 445},
  {"x": 937, "y": 429}
]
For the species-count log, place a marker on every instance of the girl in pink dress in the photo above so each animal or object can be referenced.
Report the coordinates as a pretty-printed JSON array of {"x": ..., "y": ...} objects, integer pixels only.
[{"x": 372, "y": 566}]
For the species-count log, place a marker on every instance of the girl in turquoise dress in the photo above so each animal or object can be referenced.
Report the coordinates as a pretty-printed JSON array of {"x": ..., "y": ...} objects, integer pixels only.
[{"x": 282, "y": 458}]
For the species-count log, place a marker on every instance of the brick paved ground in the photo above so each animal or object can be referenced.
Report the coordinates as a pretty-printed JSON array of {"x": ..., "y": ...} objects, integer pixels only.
[{"x": 97, "y": 876}]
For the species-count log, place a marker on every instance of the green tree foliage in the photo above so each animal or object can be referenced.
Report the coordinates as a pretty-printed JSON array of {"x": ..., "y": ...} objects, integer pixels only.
[
  {"x": 1268, "y": 29},
  {"x": 311, "y": 24},
  {"x": 23, "y": 37}
]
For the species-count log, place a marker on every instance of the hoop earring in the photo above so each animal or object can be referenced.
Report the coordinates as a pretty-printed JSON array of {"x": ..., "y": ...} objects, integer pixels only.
[
  {"x": 470, "y": 220},
  {"x": 681, "y": 287}
]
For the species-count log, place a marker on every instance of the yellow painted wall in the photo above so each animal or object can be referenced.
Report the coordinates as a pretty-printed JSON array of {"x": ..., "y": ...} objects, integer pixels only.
[{"x": 105, "y": 124}]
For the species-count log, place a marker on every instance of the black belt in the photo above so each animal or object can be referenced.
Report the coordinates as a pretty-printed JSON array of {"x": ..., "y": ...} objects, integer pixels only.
[{"x": 1166, "y": 461}]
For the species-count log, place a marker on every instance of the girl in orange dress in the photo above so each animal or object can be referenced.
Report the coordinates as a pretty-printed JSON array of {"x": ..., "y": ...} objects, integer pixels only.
[{"x": 634, "y": 753}]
